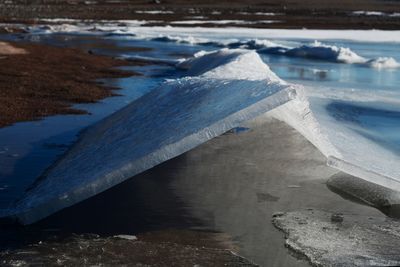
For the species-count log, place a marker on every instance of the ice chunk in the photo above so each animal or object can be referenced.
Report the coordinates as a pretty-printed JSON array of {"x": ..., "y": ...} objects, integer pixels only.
[
  {"x": 341, "y": 239},
  {"x": 369, "y": 13},
  {"x": 170, "y": 120},
  {"x": 383, "y": 63},
  {"x": 180, "y": 39},
  {"x": 348, "y": 186},
  {"x": 242, "y": 66},
  {"x": 318, "y": 51}
]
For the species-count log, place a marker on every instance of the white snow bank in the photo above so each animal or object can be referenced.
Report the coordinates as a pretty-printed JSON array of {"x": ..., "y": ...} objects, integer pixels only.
[
  {"x": 222, "y": 22},
  {"x": 170, "y": 120},
  {"x": 368, "y": 13},
  {"x": 259, "y": 13},
  {"x": 154, "y": 12},
  {"x": 375, "y": 13}
]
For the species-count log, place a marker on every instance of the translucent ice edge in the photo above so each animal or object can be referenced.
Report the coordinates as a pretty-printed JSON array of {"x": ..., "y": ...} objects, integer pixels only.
[
  {"x": 344, "y": 148},
  {"x": 172, "y": 119}
]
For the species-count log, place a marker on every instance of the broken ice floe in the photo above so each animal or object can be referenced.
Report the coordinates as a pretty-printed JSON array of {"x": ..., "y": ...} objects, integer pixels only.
[{"x": 328, "y": 239}]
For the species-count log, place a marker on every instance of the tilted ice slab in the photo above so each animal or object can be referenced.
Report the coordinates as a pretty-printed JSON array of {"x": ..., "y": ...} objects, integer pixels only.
[{"x": 172, "y": 119}]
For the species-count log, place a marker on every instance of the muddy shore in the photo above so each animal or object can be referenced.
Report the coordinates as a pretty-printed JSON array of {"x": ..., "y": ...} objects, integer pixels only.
[
  {"x": 287, "y": 14},
  {"x": 47, "y": 80}
]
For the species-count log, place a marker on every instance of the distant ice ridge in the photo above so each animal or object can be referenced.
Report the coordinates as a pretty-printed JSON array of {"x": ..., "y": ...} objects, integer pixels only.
[
  {"x": 320, "y": 51},
  {"x": 224, "y": 88},
  {"x": 315, "y": 50},
  {"x": 345, "y": 143},
  {"x": 183, "y": 39}
]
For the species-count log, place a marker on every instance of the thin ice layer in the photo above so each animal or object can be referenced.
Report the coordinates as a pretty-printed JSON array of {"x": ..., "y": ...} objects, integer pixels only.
[{"x": 172, "y": 119}]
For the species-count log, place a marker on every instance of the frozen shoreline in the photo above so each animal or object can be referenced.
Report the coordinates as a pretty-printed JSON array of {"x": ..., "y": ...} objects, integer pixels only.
[{"x": 232, "y": 184}]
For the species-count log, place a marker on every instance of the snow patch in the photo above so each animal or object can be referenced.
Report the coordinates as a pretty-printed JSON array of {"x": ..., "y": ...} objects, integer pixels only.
[
  {"x": 222, "y": 22},
  {"x": 154, "y": 12},
  {"x": 127, "y": 237},
  {"x": 375, "y": 13}
]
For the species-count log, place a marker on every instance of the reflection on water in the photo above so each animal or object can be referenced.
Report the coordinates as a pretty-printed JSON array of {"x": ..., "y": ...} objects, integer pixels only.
[{"x": 308, "y": 74}]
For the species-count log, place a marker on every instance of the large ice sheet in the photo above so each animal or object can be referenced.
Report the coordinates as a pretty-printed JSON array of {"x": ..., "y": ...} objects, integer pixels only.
[{"x": 170, "y": 120}]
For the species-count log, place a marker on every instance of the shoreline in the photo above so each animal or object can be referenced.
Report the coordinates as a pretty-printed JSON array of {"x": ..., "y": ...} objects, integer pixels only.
[{"x": 44, "y": 89}]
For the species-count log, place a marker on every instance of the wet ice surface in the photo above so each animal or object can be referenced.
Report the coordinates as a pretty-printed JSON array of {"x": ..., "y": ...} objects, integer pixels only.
[{"x": 329, "y": 239}]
